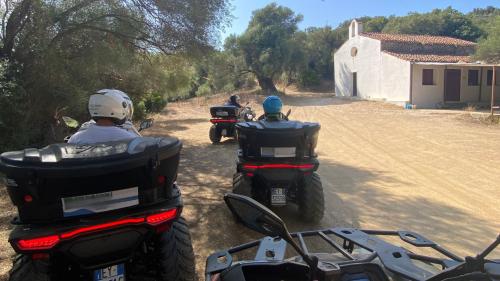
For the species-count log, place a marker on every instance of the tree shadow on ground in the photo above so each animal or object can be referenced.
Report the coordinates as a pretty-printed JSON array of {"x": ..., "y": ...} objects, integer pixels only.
[{"x": 366, "y": 197}]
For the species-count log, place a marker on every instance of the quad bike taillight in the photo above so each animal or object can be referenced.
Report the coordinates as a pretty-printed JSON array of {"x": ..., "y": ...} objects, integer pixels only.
[
  {"x": 48, "y": 242},
  {"x": 251, "y": 167},
  {"x": 220, "y": 120}
]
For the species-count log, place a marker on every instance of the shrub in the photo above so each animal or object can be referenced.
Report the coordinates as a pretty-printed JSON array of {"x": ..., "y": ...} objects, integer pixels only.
[{"x": 154, "y": 102}]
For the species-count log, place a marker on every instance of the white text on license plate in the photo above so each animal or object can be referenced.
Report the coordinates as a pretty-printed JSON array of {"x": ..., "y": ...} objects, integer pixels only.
[
  {"x": 278, "y": 196},
  {"x": 110, "y": 273}
]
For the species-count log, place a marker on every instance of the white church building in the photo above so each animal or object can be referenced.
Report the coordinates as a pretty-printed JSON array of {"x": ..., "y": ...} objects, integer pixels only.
[{"x": 422, "y": 70}]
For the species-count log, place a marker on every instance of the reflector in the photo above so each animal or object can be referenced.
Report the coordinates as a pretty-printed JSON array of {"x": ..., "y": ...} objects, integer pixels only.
[
  {"x": 40, "y": 243},
  {"x": 161, "y": 217}
]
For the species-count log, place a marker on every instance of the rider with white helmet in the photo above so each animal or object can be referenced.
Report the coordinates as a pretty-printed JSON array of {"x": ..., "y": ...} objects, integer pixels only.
[{"x": 110, "y": 110}]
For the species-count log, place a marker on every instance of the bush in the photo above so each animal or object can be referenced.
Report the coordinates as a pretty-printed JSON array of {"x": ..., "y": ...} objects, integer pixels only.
[
  {"x": 204, "y": 90},
  {"x": 308, "y": 78},
  {"x": 154, "y": 102}
]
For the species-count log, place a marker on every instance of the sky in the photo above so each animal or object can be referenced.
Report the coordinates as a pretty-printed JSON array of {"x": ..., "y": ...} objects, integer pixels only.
[{"x": 333, "y": 12}]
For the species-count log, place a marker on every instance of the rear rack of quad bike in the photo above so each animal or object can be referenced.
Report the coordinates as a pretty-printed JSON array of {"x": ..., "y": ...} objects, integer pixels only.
[{"x": 396, "y": 259}]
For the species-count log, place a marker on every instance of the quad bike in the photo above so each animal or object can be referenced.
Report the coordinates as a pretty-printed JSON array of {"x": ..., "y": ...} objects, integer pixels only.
[
  {"x": 277, "y": 165},
  {"x": 340, "y": 254},
  {"x": 109, "y": 211},
  {"x": 224, "y": 119}
]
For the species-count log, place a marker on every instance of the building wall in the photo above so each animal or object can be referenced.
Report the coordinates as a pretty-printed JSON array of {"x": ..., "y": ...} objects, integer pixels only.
[
  {"x": 427, "y": 96},
  {"x": 366, "y": 63},
  {"x": 431, "y": 96},
  {"x": 486, "y": 90},
  {"x": 395, "y": 80}
]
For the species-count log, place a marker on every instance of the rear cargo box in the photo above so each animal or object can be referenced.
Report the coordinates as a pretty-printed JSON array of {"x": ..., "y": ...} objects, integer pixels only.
[
  {"x": 267, "y": 140},
  {"x": 227, "y": 111},
  {"x": 63, "y": 181}
]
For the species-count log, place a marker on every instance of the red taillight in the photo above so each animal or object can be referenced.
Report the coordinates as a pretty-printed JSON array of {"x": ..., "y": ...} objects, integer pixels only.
[
  {"x": 214, "y": 121},
  {"x": 103, "y": 226},
  {"x": 250, "y": 174},
  {"x": 161, "y": 180},
  {"x": 48, "y": 242},
  {"x": 28, "y": 198},
  {"x": 161, "y": 217},
  {"x": 278, "y": 166},
  {"x": 40, "y": 243}
]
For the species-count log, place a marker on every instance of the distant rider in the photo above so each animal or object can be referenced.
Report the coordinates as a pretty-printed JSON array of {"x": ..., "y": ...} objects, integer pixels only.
[
  {"x": 272, "y": 109},
  {"x": 110, "y": 110},
  {"x": 234, "y": 100}
]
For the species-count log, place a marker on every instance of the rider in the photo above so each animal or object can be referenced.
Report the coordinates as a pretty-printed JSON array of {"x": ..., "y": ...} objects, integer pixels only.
[
  {"x": 234, "y": 100},
  {"x": 130, "y": 107},
  {"x": 109, "y": 109},
  {"x": 272, "y": 109}
]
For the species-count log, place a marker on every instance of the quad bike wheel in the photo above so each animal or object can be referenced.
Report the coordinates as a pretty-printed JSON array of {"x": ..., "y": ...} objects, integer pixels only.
[
  {"x": 214, "y": 135},
  {"x": 311, "y": 199},
  {"x": 175, "y": 256},
  {"x": 241, "y": 185},
  {"x": 24, "y": 269}
]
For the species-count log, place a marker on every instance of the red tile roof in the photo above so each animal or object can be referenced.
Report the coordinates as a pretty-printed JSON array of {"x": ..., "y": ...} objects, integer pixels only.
[
  {"x": 430, "y": 57},
  {"x": 420, "y": 39}
]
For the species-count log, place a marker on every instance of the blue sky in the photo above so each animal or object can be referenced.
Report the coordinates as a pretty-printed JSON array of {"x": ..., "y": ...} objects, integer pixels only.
[{"x": 333, "y": 12}]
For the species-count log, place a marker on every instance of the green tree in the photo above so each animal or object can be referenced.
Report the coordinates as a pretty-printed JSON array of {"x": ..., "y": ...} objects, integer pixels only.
[
  {"x": 265, "y": 43},
  {"x": 59, "y": 52},
  {"x": 489, "y": 48},
  {"x": 446, "y": 22}
]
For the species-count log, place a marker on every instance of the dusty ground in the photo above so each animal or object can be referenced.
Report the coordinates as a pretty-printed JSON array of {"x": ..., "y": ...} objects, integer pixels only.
[{"x": 433, "y": 172}]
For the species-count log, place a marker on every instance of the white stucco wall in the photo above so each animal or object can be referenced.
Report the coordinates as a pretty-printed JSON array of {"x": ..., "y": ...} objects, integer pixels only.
[
  {"x": 395, "y": 79},
  {"x": 367, "y": 65},
  {"x": 429, "y": 96},
  {"x": 486, "y": 90}
]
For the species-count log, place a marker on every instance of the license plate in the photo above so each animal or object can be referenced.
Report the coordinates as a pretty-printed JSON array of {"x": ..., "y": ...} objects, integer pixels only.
[
  {"x": 277, "y": 152},
  {"x": 100, "y": 202},
  {"x": 110, "y": 273},
  {"x": 224, "y": 132},
  {"x": 278, "y": 196},
  {"x": 221, "y": 113}
]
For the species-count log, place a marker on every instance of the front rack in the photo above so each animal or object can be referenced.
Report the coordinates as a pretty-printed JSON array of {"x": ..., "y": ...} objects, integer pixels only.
[{"x": 397, "y": 260}]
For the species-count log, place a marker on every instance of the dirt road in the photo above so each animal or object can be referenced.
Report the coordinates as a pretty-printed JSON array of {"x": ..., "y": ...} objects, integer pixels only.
[{"x": 433, "y": 172}]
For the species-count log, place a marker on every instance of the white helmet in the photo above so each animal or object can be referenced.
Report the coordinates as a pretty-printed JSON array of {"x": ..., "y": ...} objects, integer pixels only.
[
  {"x": 118, "y": 93},
  {"x": 109, "y": 104}
]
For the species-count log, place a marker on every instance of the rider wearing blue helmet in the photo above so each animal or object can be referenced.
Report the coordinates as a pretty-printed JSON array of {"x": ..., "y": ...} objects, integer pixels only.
[{"x": 272, "y": 108}]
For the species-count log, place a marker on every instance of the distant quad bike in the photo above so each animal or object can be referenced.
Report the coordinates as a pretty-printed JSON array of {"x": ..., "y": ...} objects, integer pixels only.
[
  {"x": 277, "y": 165},
  {"x": 224, "y": 118},
  {"x": 109, "y": 211}
]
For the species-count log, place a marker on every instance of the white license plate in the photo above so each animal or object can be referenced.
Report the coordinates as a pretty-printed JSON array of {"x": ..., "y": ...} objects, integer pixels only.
[
  {"x": 277, "y": 152},
  {"x": 100, "y": 202},
  {"x": 278, "y": 196},
  {"x": 110, "y": 273},
  {"x": 221, "y": 113}
]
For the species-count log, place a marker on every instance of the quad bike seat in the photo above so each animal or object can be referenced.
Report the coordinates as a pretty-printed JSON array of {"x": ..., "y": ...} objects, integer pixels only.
[
  {"x": 277, "y": 140},
  {"x": 225, "y": 111},
  {"x": 63, "y": 181}
]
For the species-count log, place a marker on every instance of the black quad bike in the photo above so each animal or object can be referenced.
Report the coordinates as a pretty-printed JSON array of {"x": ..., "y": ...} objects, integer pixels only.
[
  {"x": 277, "y": 165},
  {"x": 224, "y": 119},
  {"x": 109, "y": 211},
  {"x": 339, "y": 254}
]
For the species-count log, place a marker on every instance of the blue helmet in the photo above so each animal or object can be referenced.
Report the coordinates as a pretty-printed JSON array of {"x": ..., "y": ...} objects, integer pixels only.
[{"x": 272, "y": 105}]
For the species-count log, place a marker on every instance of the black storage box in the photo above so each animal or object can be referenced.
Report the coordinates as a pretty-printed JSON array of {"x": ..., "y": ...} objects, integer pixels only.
[
  {"x": 63, "y": 181},
  {"x": 226, "y": 111},
  {"x": 267, "y": 140}
]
